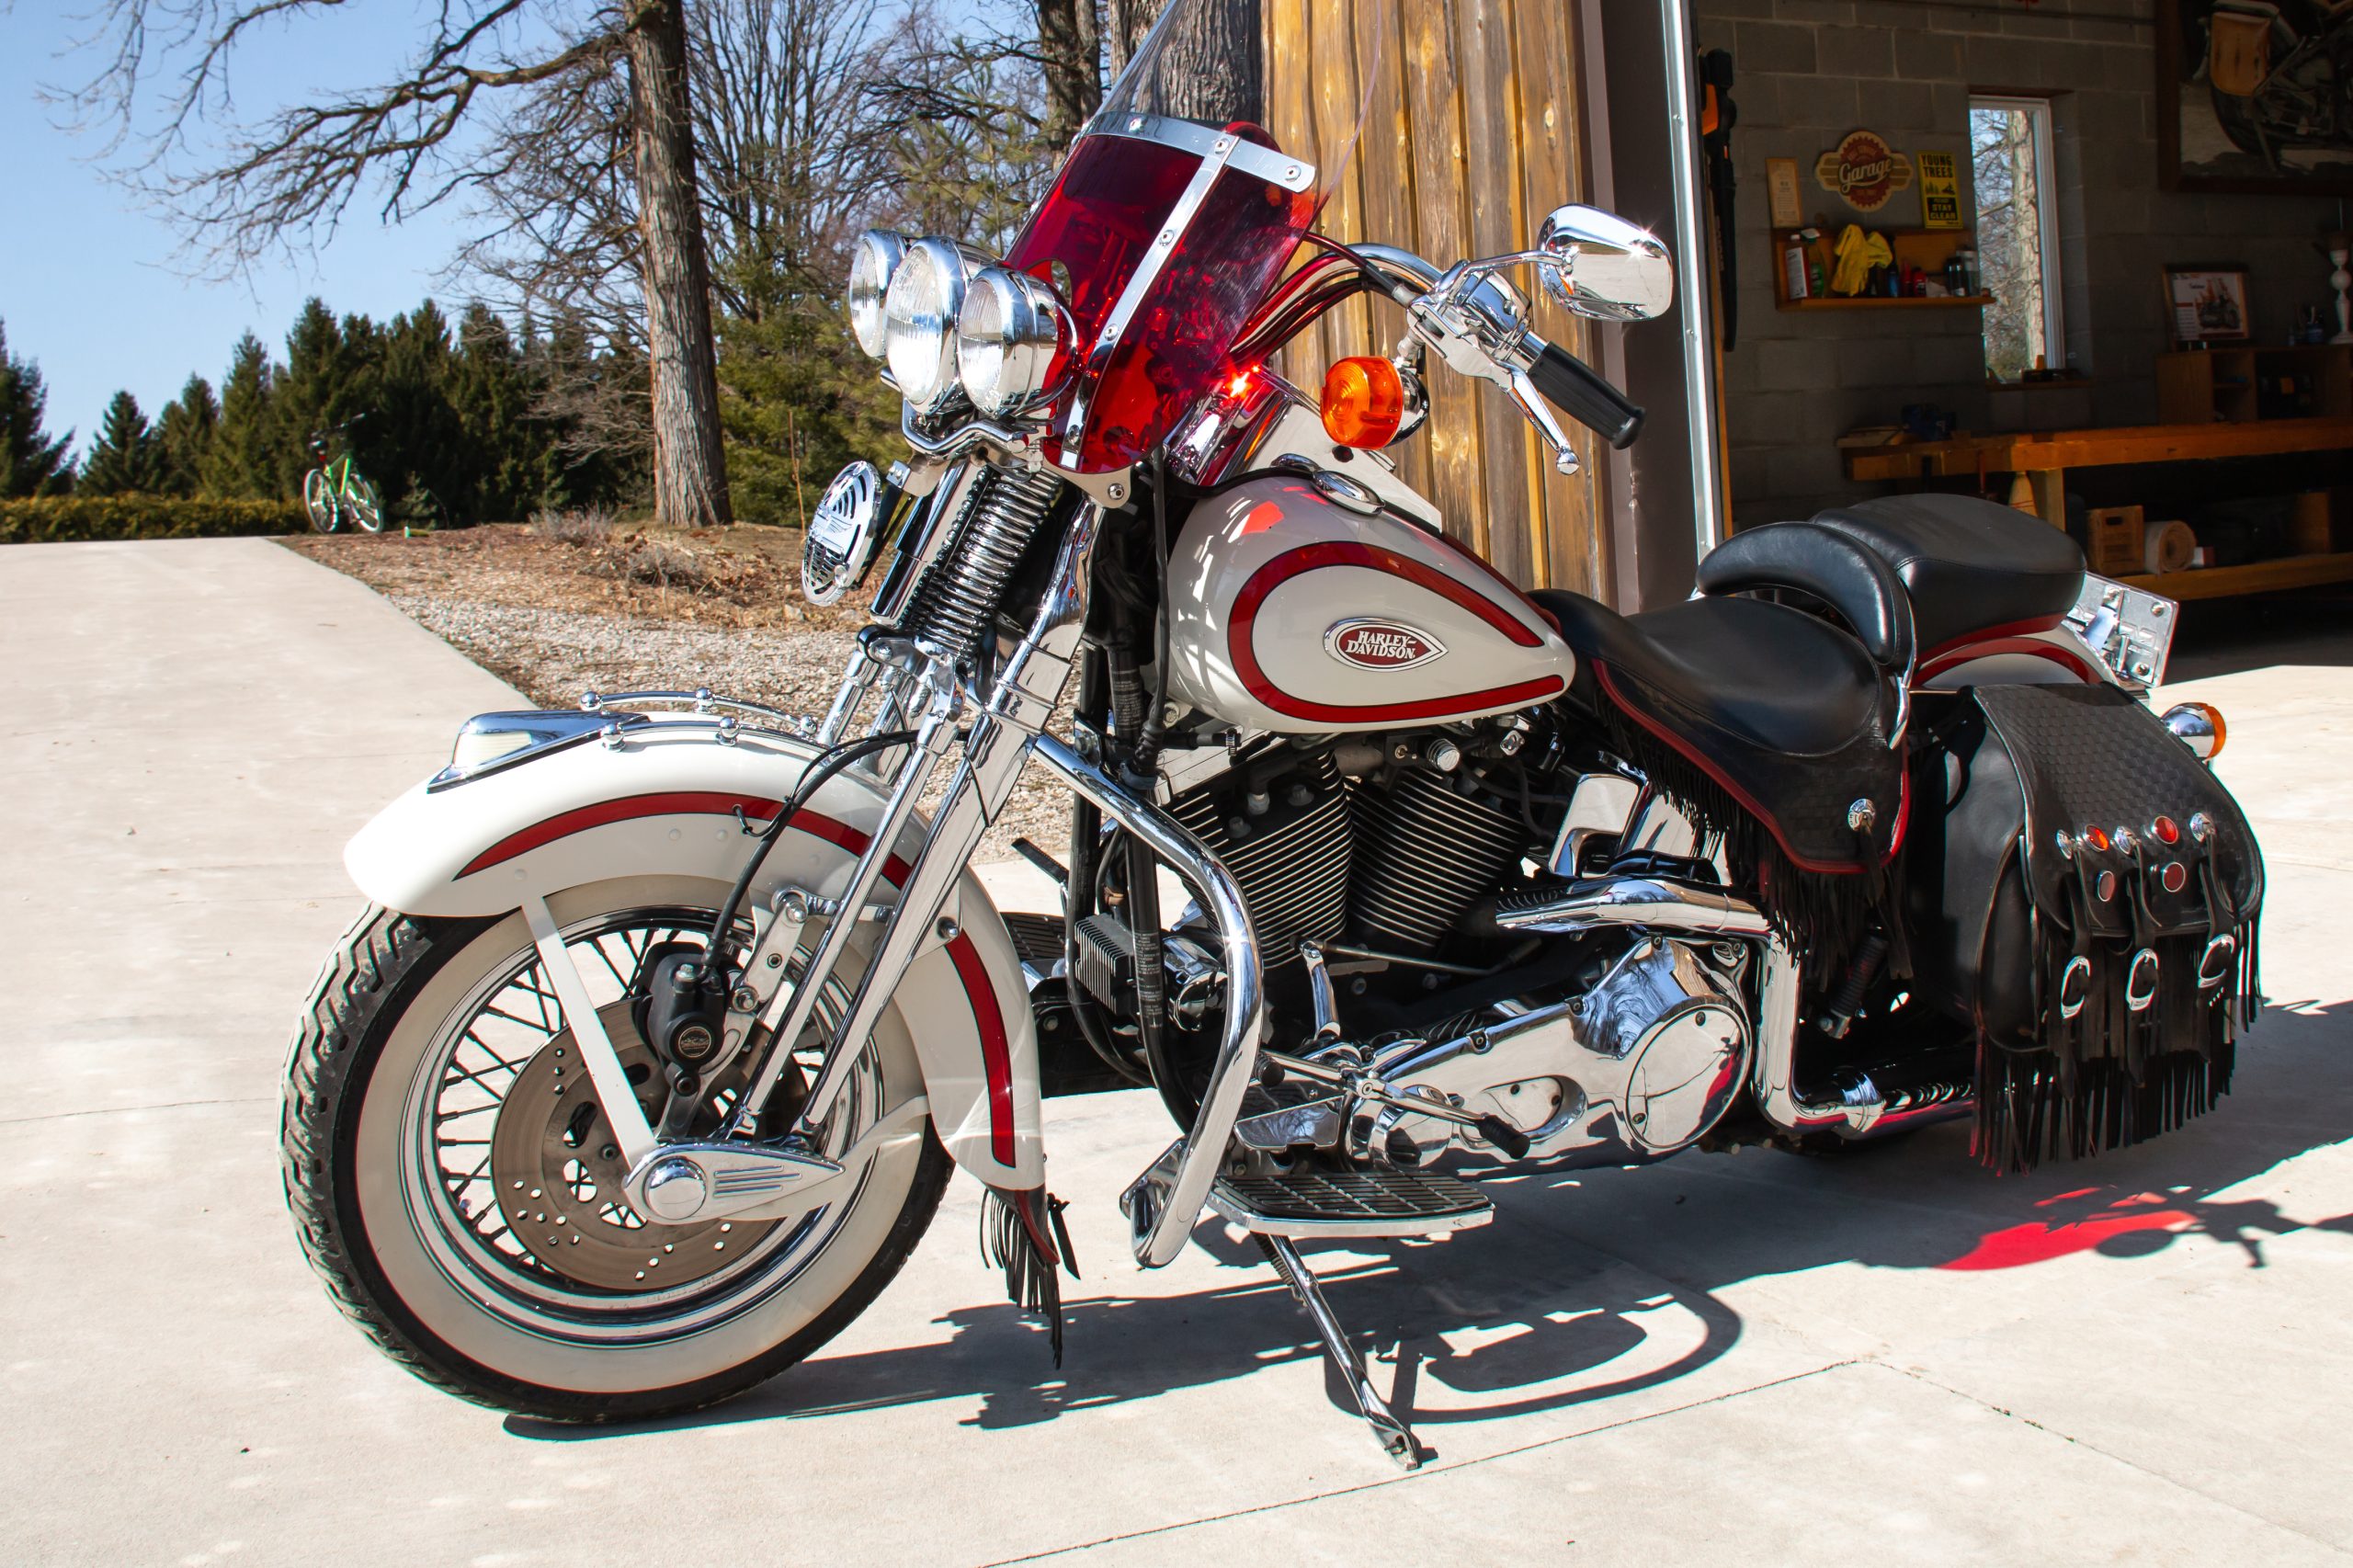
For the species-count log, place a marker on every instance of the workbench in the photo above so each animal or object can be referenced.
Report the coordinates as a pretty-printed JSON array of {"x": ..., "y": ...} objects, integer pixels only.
[{"x": 2044, "y": 456}]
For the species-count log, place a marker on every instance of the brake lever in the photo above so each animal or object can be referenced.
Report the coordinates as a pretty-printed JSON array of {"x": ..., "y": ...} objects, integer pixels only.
[
  {"x": 1478, "y": 341},
  {"x": 1539, "y": 414}
]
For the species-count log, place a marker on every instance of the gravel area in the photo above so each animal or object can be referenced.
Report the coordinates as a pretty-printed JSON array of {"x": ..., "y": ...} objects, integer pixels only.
[{"x": 553, "y": 656}]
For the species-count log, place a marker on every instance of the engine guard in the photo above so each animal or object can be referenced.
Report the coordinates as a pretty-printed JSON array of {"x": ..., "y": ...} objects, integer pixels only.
[{"x": 668, "y": 796}]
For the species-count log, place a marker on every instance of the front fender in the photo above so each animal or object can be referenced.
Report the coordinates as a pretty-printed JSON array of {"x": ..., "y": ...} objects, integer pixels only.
[{"x": 665, "y": 802}]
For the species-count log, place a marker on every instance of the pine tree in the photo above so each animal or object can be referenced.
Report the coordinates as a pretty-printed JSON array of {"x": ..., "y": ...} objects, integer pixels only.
[
  {"x": 126, "y": 459},
  {"x": 326, "y": 361},
  {"x": 239, "y": 466},
  {"x": 185, "y": 432},
  {"x": 31, "y": 463},
  {"x": 796, "y": 402}
]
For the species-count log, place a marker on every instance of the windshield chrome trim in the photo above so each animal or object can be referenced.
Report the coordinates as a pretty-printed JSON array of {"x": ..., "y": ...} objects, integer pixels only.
[{"x": 1265, "y": 162}]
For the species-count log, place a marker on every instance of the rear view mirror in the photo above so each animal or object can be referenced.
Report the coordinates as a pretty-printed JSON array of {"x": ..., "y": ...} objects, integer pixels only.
[{"x": 1598, "y": 265}]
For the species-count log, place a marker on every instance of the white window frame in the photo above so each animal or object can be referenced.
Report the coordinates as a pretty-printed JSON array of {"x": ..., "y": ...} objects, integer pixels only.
[{"x": 2046, "y": 210}]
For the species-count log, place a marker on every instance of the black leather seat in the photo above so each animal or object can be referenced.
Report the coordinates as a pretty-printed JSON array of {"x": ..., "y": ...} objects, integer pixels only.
[
  {"x": 1783, "y": 713},
  {"x": 1970, "y": 566}
]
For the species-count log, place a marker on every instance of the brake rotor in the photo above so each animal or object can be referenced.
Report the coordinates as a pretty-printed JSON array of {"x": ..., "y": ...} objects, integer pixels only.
[{"x": 561, "y": 1178}]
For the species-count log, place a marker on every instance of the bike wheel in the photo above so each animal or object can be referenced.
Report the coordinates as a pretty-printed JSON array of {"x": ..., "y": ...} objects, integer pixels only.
[
  {"x": 318, "y": 499},
  {"x": 366, "y": 506},
  {"x": 465, "y": 1210}
]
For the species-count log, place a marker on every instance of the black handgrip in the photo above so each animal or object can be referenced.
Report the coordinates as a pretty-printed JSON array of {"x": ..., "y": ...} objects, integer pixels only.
[{"x": 1582, "y": 393}]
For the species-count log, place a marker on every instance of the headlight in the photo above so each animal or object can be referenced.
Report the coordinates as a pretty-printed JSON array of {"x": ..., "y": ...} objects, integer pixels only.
[
  {"x": 1012, "y": 336},
  {"x": 872, "y": 260},
  {"x": 919, "y": 320}
]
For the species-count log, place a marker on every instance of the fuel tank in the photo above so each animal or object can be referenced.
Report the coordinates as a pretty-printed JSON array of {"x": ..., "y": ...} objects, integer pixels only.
[{"x": 1295, "y": 613}]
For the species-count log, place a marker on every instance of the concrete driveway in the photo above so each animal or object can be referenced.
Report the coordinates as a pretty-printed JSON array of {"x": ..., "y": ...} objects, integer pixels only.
[{"x": 1890, "y": 1358}]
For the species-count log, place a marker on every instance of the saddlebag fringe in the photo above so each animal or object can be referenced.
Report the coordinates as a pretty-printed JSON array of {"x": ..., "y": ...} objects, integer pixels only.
[
  {"x": 1023, "y": 1234},
  {"x": 1822, "y": 915}
]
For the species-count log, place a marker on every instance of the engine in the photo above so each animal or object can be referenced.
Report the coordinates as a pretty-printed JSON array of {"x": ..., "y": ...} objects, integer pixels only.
[{"x": 1386, "y": 842}]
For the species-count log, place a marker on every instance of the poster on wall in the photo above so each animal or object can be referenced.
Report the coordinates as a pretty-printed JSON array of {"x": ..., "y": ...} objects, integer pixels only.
[
  {"x": 1863, "y": 171},
  {"x": 2250, "y": 99},
  {"x": 1939, "y": 191},
  {"x": 2207, "y": 305}
]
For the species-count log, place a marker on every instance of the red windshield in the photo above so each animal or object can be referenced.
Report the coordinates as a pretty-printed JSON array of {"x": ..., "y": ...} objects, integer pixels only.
[{"x": 1100, "y": 226}]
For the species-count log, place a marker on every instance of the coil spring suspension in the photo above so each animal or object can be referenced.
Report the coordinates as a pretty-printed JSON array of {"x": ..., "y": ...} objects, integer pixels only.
[{"x": 956, "y": 604}]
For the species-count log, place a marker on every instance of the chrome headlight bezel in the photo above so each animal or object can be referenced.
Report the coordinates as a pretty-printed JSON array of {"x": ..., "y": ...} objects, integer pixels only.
[
  {"x": 874, "y": 259},
  {"x": 1013, "y": 337},
  {"x": 919, "y": 320}
]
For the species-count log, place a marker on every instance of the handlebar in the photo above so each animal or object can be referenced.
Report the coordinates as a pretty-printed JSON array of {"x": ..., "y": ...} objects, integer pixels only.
[
  {"x": 1478, "y": 325},
  {"x": 1584, "y": 395}
]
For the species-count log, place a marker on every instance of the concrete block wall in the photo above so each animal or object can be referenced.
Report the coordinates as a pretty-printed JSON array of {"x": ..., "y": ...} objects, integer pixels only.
[{"x": 1807, "y": 72}]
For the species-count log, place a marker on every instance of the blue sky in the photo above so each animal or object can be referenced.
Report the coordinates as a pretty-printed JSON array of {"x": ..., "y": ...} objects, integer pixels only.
[{"x": 88, "y": 287}]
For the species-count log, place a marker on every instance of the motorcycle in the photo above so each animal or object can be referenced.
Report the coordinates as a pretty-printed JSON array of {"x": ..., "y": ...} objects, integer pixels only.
[
  {"x": 671, "y": 1016},
  {"x": 2280, "y": 75}
]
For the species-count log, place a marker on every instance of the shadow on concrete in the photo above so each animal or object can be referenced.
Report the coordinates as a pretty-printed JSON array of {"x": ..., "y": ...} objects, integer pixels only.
[
  {"x": 1494, "y": 1323},
  {"x": 2221, "y": 637}
]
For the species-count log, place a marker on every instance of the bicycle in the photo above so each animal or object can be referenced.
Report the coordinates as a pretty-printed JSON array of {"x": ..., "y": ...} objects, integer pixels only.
[{"x": 335, "y": 486}]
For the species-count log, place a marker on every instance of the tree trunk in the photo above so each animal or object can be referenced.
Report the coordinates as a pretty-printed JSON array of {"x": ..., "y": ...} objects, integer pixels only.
[
  {"x": 689, "y": 463},
  {"x": 1071, "y": 53}
]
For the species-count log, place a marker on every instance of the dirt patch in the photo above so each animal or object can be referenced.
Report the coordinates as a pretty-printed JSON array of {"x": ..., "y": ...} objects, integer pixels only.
[{"x": 579, "y": 604}]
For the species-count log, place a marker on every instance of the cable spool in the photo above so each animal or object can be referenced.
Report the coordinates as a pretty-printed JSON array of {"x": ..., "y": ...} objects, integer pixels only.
[{"x": 2168, "y": 547}]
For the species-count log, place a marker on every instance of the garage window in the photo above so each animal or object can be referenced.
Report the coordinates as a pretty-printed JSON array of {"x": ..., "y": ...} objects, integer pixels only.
[{"x": 2017, "y": 233}]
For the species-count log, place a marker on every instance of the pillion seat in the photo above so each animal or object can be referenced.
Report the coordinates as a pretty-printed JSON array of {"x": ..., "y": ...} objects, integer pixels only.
[{"x": 1970, "y": 566}]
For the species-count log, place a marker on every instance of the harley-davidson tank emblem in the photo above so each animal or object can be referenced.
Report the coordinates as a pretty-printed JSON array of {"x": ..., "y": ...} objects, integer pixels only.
[{"x": 1381, "y": 645}]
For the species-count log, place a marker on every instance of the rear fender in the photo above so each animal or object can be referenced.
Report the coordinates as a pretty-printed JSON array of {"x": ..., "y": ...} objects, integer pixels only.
[{"x": 663, "y": 801}]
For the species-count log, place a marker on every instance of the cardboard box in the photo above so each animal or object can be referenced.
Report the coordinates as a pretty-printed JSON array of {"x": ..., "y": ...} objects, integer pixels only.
[
  {"x": 2312, "y": 526},
  {"x": 2113, "y": 543}
]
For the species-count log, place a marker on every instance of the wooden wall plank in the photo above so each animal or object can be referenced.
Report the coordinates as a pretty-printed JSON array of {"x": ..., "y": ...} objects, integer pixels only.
[
  {"x": 1472, "y": 134},
  {"x": 1492, "y": 164},
  {"x": 1442, "y": 224},
  {"x": 1570, "y": 549},
  {"x": 1384, "y": 159}
]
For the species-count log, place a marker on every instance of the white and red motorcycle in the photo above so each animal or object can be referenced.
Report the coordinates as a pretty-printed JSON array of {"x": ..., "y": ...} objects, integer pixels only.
[{"x": 672, "y": 1016}]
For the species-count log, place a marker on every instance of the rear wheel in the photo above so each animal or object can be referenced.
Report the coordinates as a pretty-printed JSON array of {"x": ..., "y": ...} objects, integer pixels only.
[
  {"x": 318, "y": 499},
  {"x": 460, "y": 1194}
]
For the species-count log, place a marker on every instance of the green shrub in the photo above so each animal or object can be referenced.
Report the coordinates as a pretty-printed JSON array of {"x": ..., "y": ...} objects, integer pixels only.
[{"x": 50, "y": 519}]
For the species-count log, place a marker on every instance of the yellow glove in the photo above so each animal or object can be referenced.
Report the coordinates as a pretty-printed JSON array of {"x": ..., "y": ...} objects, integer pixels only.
[{"x": 1858, "y": 253}]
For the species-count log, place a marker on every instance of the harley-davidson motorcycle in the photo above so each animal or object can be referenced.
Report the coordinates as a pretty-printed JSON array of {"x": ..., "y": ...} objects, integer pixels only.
[
  {"x": 672, "y": 1016},
  {"x": 2280, "y": 75}
]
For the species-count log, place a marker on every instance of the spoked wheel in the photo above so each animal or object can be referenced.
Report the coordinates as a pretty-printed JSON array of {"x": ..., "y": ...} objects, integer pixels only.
[
  {"x": 366, "y": 506},
  {"x": 318, "y": 499},
  {"x": 456, "y": 1182}
]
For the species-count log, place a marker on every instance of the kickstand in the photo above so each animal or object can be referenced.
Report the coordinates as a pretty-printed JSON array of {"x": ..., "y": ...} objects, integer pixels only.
[{"x": 1396, "y": 1438}]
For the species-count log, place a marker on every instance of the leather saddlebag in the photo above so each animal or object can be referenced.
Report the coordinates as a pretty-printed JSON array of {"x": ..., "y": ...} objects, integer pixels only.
[{"x": 2095, "y": 918}]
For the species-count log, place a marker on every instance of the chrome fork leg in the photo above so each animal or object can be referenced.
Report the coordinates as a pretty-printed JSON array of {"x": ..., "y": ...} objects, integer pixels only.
[{"x": 1396, "y": 1438}]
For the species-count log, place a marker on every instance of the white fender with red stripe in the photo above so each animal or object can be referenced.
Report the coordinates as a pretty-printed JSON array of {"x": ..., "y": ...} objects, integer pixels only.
[
  {"x": 1292, "y": 614},
  {"x": 662, "y": 804},
  {"x": 2039, "y": 652}
]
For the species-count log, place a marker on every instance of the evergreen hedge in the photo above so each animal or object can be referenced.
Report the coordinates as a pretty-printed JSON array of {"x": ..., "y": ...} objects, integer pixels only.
[{"x": 50, "y": 519}]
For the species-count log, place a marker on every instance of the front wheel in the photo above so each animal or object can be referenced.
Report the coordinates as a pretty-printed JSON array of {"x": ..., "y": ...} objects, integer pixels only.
[
  {"x": 460, "y": 1197},
  {"x": 318, "y": 499},
  {"x": 366, "y": 506}
]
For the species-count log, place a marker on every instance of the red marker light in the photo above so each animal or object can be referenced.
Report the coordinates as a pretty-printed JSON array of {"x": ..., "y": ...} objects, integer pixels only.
[
  {"x": 2096, "y": 836},
  {"x": 2174, "y": 877},
  {"x": 2166, "y": 831}
]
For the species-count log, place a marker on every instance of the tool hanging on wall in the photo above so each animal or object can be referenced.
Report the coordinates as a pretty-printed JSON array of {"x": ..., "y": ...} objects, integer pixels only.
[{"x": 1718, "y": 114}]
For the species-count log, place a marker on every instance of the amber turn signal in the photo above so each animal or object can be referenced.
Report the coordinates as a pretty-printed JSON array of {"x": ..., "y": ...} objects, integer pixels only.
[
  {"x": 2198, "y": 726},
  {"x": 1364, "y": 403}
]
